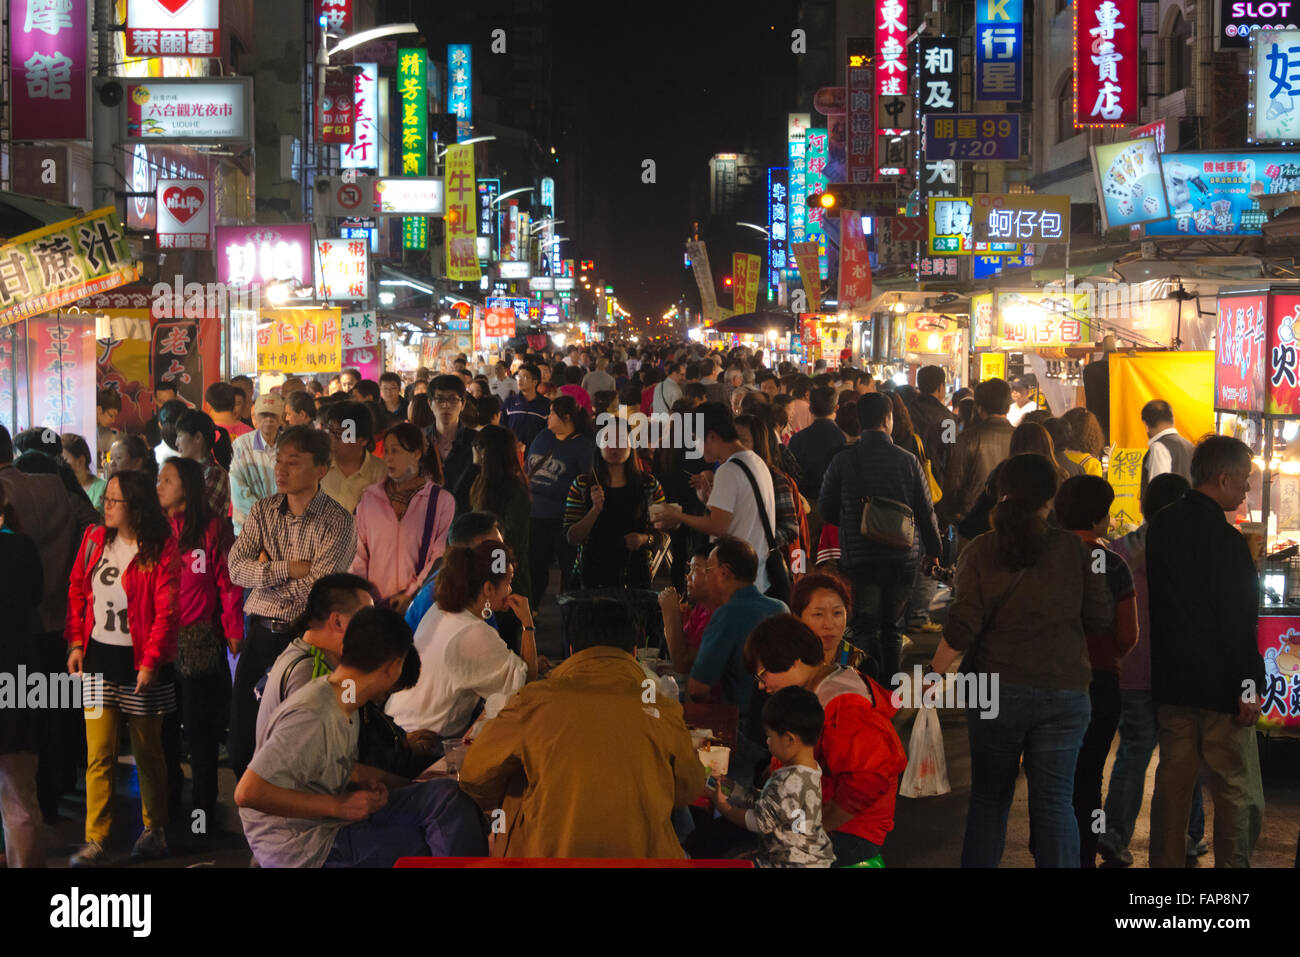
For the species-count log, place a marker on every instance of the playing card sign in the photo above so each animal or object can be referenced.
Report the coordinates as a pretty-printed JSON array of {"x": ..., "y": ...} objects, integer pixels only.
[
  {"x": 184, "y": 213},
  {"x": 158, "y": 28}
]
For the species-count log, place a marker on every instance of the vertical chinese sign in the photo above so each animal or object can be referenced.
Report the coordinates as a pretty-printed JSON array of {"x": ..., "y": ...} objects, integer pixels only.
[
  {"x": 1283, "y": 355},
  {"x": 363, "y": 151},
  {"x": 1275, "y": 95},
  {"x": 805, "y": 258},
  {"x": 860, "y": 94},
  {"x": 413, "y": 90},
  {"x": 939, "y": 78},
  {"x": 342, "y": 269},
  {"x": 335, "y": 16},
  {"x": 778, "y": 221},
  {"x": 1239, "y": 353},
  {"x": 461, "y": 218},
  {"x": 360, "y": 332},
  {"x": 748, "y": 272},
  {"x": 796, "y": 131},
  {"x": 999, "y": 50},
  {"x": 49, "y": 57},
  {"x": 893, "y": 86},
  {"x": 816, "y": 158},
  {"x": 61, "y": 360},
  {"x": 855, "y": 269},
  {"x": 460, "y": 88},
  {"x": 1106, "y": 62},
  {"x": 175, "y": 358}
]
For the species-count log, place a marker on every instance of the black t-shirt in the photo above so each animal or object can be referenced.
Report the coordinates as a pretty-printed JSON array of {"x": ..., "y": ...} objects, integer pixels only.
[{"x": 605, "y": 558}]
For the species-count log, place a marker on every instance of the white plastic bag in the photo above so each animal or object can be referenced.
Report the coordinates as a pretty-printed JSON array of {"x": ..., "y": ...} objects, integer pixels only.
[{"x": 927, "y": 771}]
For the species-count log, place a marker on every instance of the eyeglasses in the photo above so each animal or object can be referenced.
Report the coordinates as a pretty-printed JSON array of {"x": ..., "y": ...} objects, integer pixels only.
[
  {"x": 108, "y": 500},
  {"x": 446, "y": 400}
]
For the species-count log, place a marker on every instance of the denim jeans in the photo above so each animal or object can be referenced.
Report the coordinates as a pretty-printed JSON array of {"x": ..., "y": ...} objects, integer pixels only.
[
  {"x": 1046, "y": 726},
  {"x": 1137, "y": 742},
  {"x": 881, "y": 591},
  {"x": 923, "y": 589},
  {"x": 1091, "y": 768},
  {"x": 547, "y": 543},
  {"x": 431, "y": 818}
]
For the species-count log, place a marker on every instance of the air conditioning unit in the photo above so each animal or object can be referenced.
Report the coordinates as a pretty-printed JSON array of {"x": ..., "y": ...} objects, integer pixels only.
[{"x": 1177, "y": 104}]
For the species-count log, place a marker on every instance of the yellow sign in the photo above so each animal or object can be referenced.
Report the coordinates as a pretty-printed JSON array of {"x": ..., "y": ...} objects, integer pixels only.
[
  {"x": 981, "y": 321},
  {"x": 747, "y": 273},
  {"x": 299, "y": 340},
  {"x": 1042, "y": 319},
  {"x": 993, "y": 365},
  {"x": 461, "y": 217}
]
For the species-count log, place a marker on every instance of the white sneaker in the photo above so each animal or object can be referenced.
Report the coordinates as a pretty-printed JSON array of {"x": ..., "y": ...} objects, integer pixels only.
[
  {"x": 151, "y": 843},
  {"x": 92, "y": 855}
]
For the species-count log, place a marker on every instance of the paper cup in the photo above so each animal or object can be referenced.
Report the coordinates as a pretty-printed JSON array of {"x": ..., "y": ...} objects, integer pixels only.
[
  {"x": 717, "y": 759},
  {"x": 699, "y": 736},
  {"x": 657, "y": 511}
]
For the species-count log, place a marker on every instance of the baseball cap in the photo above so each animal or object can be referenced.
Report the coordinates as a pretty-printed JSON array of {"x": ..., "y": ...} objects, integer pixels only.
[{"x": 268, "y": 403}]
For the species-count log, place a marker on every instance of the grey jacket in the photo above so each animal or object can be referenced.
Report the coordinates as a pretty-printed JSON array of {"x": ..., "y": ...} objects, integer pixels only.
[{"x": 55, "y": 520}]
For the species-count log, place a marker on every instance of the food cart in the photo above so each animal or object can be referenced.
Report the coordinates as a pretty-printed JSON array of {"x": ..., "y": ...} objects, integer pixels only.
[{"x": 1257, "y": 398}]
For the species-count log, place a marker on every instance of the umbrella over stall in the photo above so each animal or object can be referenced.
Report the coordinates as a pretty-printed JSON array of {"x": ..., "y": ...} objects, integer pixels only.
[{"x": 757, "y": 323}]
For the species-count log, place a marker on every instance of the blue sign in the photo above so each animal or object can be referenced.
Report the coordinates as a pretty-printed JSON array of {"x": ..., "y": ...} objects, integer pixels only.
[
  {"x": 459, "y": 88},
  {"x": 999, "y": 50},
  {"x": 518, "y": 305},
  {"x": 362, "y": 232},
  {"x": 972, "y": 136},
  {"x": 1217, "y": 194},
  {"x": 986, "y": 266}
]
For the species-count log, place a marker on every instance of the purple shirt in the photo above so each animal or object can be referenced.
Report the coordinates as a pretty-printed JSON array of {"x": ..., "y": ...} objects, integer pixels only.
[{"x": 1135, "y": 667}]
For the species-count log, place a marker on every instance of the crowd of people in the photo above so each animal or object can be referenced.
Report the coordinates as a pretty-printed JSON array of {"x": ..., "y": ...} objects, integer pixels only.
[{"x": 333, "y": 584}]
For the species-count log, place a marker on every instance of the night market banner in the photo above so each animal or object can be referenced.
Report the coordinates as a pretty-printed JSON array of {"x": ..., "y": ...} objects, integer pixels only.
[
  {"x": 300, "y": 340},
  {"x": 57, "y": 265}
]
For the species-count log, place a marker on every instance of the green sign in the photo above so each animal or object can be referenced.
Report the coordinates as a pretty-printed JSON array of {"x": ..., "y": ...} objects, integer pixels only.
[{"x": 413, "y": 92}]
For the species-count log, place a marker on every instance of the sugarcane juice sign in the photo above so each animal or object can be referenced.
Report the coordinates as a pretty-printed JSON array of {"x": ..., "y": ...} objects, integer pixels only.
[{"x": 57, "y": 265}]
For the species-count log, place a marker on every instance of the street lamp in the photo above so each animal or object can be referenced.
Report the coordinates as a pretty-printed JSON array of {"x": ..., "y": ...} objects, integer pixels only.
[
  {"x": 508, "y": 193},
  {"x": 442, "y": 151},
  {"x": 759, "y": 228}
]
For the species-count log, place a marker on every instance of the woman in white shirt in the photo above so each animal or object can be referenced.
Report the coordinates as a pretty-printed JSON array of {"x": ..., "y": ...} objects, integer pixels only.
[{"x": 463, "y": 659}]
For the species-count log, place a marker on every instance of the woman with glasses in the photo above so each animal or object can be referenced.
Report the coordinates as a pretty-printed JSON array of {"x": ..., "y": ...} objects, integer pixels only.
[
  {"x": 402, "y": 522},
  {"x": 859, "y": 751},
  {"x": 211, "y": 619},
  {"x": 123, "y": 615}
]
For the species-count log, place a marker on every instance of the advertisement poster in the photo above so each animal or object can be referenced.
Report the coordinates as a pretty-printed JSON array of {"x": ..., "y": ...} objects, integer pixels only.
[
  {"x": 1239, "y": 353},
  {"x": 1217, "y": 193},
  {"x": 747, "y": 273},
  {"x": 930, "y": 333},
  {"x": 1106, "y": 62},
  {"x": 805, "y": 257},
  {"x": 252, "y": 255},
  {"x": 184, "y": 213},
  {"x": 188, "y": 110},
  {"x": 159, "y": 28},
  {"x": 57, "y": 265},
  {"x": 1283, "y": 374},
  {"x": 49, "y": 60},
  {"x": 462, "y": 215},
  {"x": 1129, "y": 182},
  {"x": 336, "y": 112},
  {"x": 499, "y": 319},
  {"x": 1275, "y": 86},
  {"x": 981, "y": 321},
  {"x": 61, "y": 363},
  {"x": 796, "y": 132},
  {"x": 778, "y": 222},
  {"x": 855, "y": 266},
  {"x": 698, "y": 256},
  {"x": 175, "y": 359},
  {"x": 1279, "y": 643},
  {"x": 342, "y": 269},
  {"x": 299, "y": 340}
]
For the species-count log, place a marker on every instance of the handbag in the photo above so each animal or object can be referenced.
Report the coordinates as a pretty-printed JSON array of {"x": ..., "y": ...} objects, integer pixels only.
[
  {"x": 887, "y": 522},
  {"x": 968, "y": 657},
  {"x": 778, "y": 572},
  {"x": 200, "y": 649},
  {"x": 936, "y": 491}
]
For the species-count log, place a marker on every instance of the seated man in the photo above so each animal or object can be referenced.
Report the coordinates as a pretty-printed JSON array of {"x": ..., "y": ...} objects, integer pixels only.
[
  {"x": 592, "y": 761},
  {"x": 294, "y": 798}
]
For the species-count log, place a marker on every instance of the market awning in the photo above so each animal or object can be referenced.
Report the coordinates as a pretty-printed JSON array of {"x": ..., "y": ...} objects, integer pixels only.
[
  {"x": 21, "y": 214},
  {"x": 756, "y": 323}
]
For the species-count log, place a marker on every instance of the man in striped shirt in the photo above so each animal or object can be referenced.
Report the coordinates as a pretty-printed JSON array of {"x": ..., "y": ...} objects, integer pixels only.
[{"x": 289, "y": 540}]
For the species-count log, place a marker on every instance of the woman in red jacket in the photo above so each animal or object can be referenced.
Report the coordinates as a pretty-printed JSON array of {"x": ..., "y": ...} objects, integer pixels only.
[
  {"x": 121, "y": 629},
  {"x": 211, "y": 619},
  {"x": 859, "y": 751}
]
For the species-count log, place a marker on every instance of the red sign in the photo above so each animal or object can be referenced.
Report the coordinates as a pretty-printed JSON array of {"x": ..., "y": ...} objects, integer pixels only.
[
  {"x": 61, "y": 372},
  {"x": 830, "y": 100},
  {"x": 337, "y": 16},
  {"x": 1279, "y": 643},
  {"x": 1283, "y": 353},
  {"x": 1106, "y": 62},
  {"x": 49, "y": 53},
  {"x": 499, "y": 321},
  {"x": 336, "y": 112},
  {"x": 855, "y": 266},
  {"x": 1239, "y": 353}
]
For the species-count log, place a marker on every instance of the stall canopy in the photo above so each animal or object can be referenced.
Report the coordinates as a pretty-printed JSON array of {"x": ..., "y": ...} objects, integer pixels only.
[
  {"x": 757, "y": 323},
  {"x": 21, "y": 214}
]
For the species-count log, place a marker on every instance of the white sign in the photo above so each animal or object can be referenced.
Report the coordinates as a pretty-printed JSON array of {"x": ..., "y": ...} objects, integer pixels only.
[
  {"x": 515, "y": 270},
  {"x": 158, "y": 28},
  {"x": 1275, "y": 56},
  {"x": 360, "y": 330},
  {"x": 342, "y": 269},
  {"x": 364, "y": 151},
  {"x": 541, "y": 284},
  {"x": 184, "y": 213},
  {"x": 563, "y": 282},
  {"x": 190, "y": 110},
  {"x": 483, "y": 247},
  {"x": 409, "y": 195}
]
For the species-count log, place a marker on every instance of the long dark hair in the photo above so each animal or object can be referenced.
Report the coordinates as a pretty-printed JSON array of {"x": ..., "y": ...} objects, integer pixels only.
[
  {"x": 1032, "y": 438},
  {"x": 904, "y": 434},
  {"x": 197, "y": 514},
  {"x": 500, "y": 470},
  {"x": 412, "y": 439},
  {"x": 418, "y": 411},
  {"x": 566, "y": 407},
  {"x": 464, "y": 572},
  {"x": 143, "y": 514},
  {"x": 762, "y": 438},
  {"x": 1026, "y": 483},
  {"x": 138, "y": 448}
]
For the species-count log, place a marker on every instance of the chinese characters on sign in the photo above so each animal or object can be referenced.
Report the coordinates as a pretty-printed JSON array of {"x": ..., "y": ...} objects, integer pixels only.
[
  {"x": 460, "y": 88},
  {"x": 940, "y": 81},
  {"x": 363, "y": 151},
  {"x": 461, "y": 218},
  {"x": 855, "y": 269},
  {"x": 1218, "y": 193},
  {"x": 860, "y": 95},
  {"x": 796, "y": 131},
  {"x": 1283, "y": 355},
  {"x": 184, "y": 214},
  {"x": 1279, "y": 643},
  {"x": 336, "y": 112},
  {"x": 778, "y": 223},
  {"x": 49, "y": 53},
  {"x": 1239, "y": 353},
  {"x": 805, "y": 258},
  {"x": 200, "y": 110},
  {"x": 252, "y": 255},
  {"x": 1041, "y": 320},
  {"x": 893, "y": 86},
  {"x": 175, "y": 358},
  {"x": 999, "y": 50},
  {"x": 413, "y": 92},
  {"x": 747, "y": 272},
  {"x": 343, "y": 269},
  {"x": 1021, "y": 218},
  {"x": 1275, "y": 57},
  {"x": 335, "y": 16},
  {"x": 1106, "y": 62},
  {"x": 158, "y": 28},
  {"x": 299, "y": 340},
  {"x": 816, "y": 158},
  {"x": 972, "y": 136}
]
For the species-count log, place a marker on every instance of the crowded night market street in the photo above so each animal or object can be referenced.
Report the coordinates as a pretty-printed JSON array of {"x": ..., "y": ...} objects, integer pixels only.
[{"x": 520, "y": 435}]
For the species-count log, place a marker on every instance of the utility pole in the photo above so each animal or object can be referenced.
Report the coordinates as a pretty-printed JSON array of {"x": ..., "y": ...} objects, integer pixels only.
[{"x": 104, "y": 118}]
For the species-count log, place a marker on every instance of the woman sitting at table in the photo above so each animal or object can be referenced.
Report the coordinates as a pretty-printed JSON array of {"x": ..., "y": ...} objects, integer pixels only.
[
  {"x": 859, "y": 751},
  {"x": 822, "y": 602},
  {"x": 465, "y": 666}
]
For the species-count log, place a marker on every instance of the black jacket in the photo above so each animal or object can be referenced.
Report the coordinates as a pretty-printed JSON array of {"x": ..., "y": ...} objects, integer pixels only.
[
  {"x": 21, "y": 584},
  {"x": 1204, "y": 604},
  {"x": 928, "y": 418},
  {"x": 812, "y": 448}
]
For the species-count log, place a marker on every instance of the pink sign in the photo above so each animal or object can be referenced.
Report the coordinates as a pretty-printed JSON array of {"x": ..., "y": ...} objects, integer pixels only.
[
  {"x": 62, "y": 373},
  {"x": 253, "y": 255},
  {"x": 49, "y": 54}
]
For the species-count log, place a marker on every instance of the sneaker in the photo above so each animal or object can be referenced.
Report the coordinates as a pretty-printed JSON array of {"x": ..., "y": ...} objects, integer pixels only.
[
  {"x": 1115, "y": 857},
  {"x": 92, "y": 855},
  {"x": 150, "y": 844},
  {"x": 1199, "y": 849}
]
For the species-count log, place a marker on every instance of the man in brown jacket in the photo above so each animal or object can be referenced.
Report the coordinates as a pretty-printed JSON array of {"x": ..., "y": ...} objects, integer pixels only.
[
  {"x": 590, "y": 762},
  {"x": 978, "y": 451}
]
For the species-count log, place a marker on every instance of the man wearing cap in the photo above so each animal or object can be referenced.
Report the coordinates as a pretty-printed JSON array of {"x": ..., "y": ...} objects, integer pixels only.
[
  {"x": 1022, "y": 401},
  {"x": 252, "y": 465}
]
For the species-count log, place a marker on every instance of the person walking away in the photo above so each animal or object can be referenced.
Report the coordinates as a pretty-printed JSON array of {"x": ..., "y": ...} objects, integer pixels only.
[
  {"x": 1167, "y": 450},
  {"x": 1206, "y": 670},
  {"x": 979, "y": 449},
  {"x": 123, "y": 612}
]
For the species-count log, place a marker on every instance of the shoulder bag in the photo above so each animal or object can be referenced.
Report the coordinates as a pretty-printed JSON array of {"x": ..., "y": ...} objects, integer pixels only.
[
  {"x": 887, "y": 522},
  {"x": 778, "y": 572}
]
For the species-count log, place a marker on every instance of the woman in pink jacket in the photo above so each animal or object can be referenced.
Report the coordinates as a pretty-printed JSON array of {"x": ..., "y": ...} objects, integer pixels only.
[
  {"x": 402, "y": 522},
  {"x": 211, "y": 620},
  {"x": 121, "y": 631}
]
